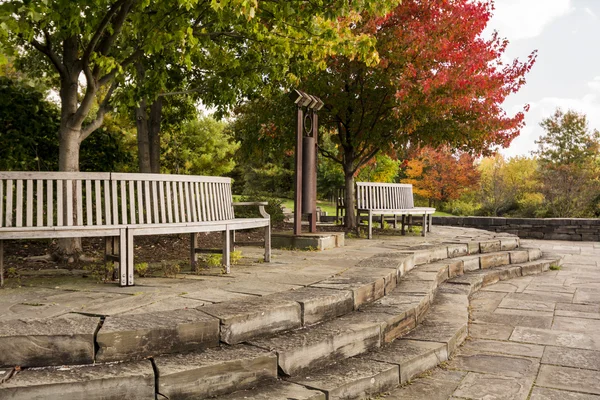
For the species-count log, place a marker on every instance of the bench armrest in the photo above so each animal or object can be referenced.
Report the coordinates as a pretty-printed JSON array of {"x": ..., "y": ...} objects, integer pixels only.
[{"x": 261, "y": 206}]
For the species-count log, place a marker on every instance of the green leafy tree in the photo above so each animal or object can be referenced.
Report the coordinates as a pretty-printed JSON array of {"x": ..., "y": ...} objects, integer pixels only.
[
  {"x": 569, "y": 161},
  {"x": 201, "y": 147}
]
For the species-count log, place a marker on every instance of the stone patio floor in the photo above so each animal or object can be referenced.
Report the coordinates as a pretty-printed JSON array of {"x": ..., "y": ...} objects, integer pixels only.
[{"x": 534, "y": 338}]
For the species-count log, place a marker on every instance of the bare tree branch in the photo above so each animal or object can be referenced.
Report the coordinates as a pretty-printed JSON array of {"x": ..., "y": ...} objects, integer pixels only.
[
  {"x": 49, "y": 52},
  {"x": 100, "y": 30},
  {"x": 102, "y": 110}
]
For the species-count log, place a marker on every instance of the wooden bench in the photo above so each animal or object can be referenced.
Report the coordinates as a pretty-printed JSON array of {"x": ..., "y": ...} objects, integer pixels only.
[
  {"x": 390, "y": 199},
  {"x": 118, "y": 207}
]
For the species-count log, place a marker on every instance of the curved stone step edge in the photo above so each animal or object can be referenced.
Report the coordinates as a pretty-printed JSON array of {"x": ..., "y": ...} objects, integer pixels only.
[
  {"x": 114, "y": 384},
  {"x": 433, "y": 352},
  {"x": 376, "y": 324},
  {"x": 123, "y": 338}
]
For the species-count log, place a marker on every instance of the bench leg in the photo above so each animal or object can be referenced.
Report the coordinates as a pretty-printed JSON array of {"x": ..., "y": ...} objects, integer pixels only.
[
  {"x": 226, "y": 251},
  {"x": 370, "y": 225},
  {"x": 193, "y": 255},
  {"x": 382, "y": 220},
  {"x": 123, "y": 257},
  {"x": 268, "y": 243},
  {"x": 430, "y": 223},
  {"x": 130, "y": 265},
  {"x": 395, "y": 221},
  {"x": 403, "y": 228},
  {"x": 424, "y": 228},
  {"x": 1, "y": 263}
]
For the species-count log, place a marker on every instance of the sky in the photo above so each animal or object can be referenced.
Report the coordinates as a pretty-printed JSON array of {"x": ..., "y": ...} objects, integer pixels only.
[{"x": 567, "y": 71}]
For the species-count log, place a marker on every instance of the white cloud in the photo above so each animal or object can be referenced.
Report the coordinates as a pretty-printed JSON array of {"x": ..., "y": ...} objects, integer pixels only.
[
  {"x": 589, "y": 104},
  {"x": 523, "y": 19}
]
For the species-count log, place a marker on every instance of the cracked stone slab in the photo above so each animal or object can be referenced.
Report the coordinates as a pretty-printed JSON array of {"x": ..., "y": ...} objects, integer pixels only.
[
  {"x": 486, "y": 301},
  {"x": 490, "y": 331},
  {"x": 318, "y": 346},
  {"x": 497, "y": 387},
  {"x": 279, "y": 390},
  {"x": 503, "y": 347},
  {"x": 131, "y": 380},
  {"x": 318, "y": 304},
  {"x": 576, "y": 358},
  {"x": 5, "y": 373},
  {"x": 532, "y": 305},
  {"x": 556, "y": 338},
  {"x": 214, "y": 371},
  {"x": 586, "y": 297},
  {"x": 352, "y": 378},
  {"x": 244, "y": 320},
  {"x": 63, "y": 340},
  {"x": 142, "y": 335},
  {"x": 513, "y": 318},
  {"x": 216, "y": 295},
  {"x": 412, "y": 356},
  {"x": 518, "y": 256},
  {"x": 489, "y": 246},
  {"x": 576, "y": 324},
  {"x": 498, "y": 364},
  {"x": 577, "y": 310},
  {"x": 541, "y": 393},
  {"x": 168, "y": 304},
  {"x": 565, "y": 378}
]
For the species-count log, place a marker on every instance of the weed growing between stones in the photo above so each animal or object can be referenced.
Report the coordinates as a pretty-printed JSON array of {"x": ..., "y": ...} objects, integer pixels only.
[
  {"x": 141, "y": 269},
  {"x": 101, "y": 272},
  {"x": 555, "y": 267},
  {"x": 170, "y": 270}
]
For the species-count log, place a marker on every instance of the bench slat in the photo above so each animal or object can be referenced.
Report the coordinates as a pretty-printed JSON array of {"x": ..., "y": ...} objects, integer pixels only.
[
  {"x": 169, "y": 202},
  {"x": 194, "y": 204},
  {"x": 155, "y": 201},
  {"x": 69, "y": 201},
  {"x": 49, "y": 202},
  {"x": 132, "y": 219},
  {"x": 89, "y": 218},
  {"x": 163, "y": 211},
  {"x": 39, "y": 220},
  {"x": 175, "y": 202},
  {"x": 29, "y": 205},
  {"x": 97, "y": 195},
  {"x": 113, "y": 196},
  {"x": 148, "y": 203},
  {"x": 59, "y": 203},
  {"x": 140, "y": 202},
  {"x": 181, "y": 201},
  {"x": 79, "y": 202},
  {"x": 188, "y": 200},
  {"x": 1, "y": 203},
  {"x": 204, "y": 206},
  {"x": 19, "y": 204}
]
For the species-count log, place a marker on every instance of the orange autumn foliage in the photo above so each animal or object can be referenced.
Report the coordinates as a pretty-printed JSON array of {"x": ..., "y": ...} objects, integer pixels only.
[{"x": 439, "y": 174}]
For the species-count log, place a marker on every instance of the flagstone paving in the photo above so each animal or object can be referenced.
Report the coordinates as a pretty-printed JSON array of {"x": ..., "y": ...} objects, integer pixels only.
[{"x": 535, "y": 337}]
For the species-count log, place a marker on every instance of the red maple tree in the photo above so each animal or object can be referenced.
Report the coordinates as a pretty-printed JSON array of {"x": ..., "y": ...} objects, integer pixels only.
[
  {"x": 440, "y": 175},
  {"x": 438, "y": 82}
]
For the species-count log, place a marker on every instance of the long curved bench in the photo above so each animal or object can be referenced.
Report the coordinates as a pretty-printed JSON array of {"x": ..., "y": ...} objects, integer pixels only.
[{"x": 120, "y": 206}]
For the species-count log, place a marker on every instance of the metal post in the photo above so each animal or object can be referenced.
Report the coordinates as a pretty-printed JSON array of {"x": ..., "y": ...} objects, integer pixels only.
[
  {"x": 298, "y": 194},
  {"x": 313, "y": 216}
]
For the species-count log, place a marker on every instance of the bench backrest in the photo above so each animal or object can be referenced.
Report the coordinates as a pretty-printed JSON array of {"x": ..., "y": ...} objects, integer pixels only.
[
  {"x": 383, "y": 196},
  {"x": 159, "y": 198},
  {"x": 54, "y": 199}
]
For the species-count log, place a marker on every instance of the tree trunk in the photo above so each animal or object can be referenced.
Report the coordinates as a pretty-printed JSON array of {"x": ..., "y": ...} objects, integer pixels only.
[
  {"x": 154, "y": 134},
  {"x": 143, "y": 137},
  {"x": 69, "y": 145},
  {"x": 350, "y": 218}
]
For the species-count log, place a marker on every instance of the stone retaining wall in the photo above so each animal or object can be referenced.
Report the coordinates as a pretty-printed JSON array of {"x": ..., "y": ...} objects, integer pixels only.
[{"x": 575, "y": 229}]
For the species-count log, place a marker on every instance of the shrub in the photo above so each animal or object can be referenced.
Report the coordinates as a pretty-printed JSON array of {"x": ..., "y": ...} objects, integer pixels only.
[{"x": 274, "y": 208}]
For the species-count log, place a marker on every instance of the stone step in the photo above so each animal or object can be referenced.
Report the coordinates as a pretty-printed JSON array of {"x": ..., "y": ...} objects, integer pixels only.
[
  {"x": 442, "y": 331},
  {"x": 250, "y": 368},
  {"x": 125, "y": 338}
]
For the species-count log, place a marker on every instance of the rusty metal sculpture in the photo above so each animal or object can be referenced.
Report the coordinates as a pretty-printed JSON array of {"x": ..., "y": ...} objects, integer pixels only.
[{"x": 307, "y": 128}]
